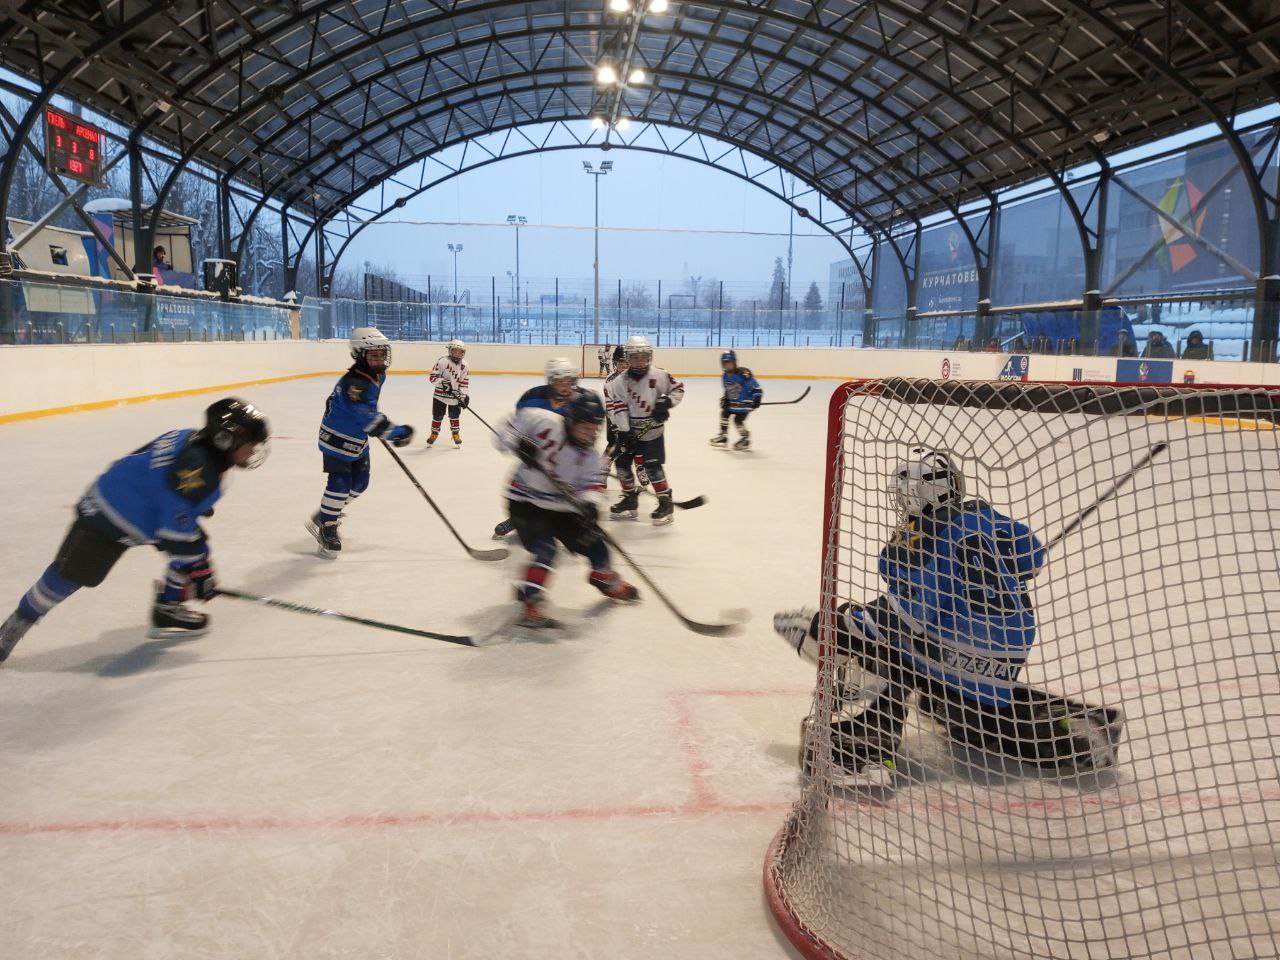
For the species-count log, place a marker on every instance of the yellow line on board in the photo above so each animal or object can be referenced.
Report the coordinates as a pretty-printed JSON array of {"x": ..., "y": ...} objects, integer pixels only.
[
  {"x": 128, "y": 401},
  {"x": 220, "y": 387}
]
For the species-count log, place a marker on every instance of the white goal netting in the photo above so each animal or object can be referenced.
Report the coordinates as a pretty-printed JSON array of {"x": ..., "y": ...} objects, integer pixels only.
[{"x": 1163, "y": 604}]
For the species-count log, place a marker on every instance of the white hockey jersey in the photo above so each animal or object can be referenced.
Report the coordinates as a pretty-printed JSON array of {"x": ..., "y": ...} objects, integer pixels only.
[
  {"x": 451, "y": 379},
  {"x": 630, "y": 399},
  {"x": 581, "y": 469}
]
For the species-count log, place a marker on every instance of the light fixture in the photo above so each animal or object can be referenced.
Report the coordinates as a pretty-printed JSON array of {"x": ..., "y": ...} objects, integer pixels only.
[
  {"x": 621, "y": 124},
  {"x": 586, "y": 165},
  {"x": 606, "y": 74},
  {"x": 1102, "y": 136},
  {"x": 658, "y": 6},
  {"x": 620, "y": 6},
  {"x": 598, "y": 123},
  {"x": 606, "y": 166},
  {"x": 636, "y": 76}
]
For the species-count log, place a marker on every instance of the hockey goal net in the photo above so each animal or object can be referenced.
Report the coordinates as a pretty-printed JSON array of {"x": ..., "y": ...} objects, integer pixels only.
[
  {"x": 1162, "y": 603},
  {"x": 591, "y": 353}
]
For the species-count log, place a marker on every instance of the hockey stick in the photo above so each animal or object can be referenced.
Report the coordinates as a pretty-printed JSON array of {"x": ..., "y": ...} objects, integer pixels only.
[
  {"x": 706, "y": 629},
  {"x": 693, "y": 503},
  {"x": 783, "y": 403},
  {"x": 1115, "y": 488},
  {"x": 317, "y": 612},
  {"x": 499, "y": 554}
]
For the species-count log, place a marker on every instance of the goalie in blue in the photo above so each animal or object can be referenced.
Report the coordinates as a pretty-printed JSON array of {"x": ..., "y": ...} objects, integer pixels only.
[{"x": 953, "y": 628}]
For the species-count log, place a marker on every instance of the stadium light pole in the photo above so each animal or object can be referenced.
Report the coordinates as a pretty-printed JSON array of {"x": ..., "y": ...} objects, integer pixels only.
[
  {"x": 605, "y": 167},
  {"x": 517, "y": 221},
  {"x": 455, "y": 249}
]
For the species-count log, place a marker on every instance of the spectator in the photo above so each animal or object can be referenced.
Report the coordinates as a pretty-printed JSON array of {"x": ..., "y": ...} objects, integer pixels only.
[
  {"x": 160, "y": 261},
  {"x": 991, "y": 346},
  {"x": 1071, "y": 346},
  {"x": 961, "y": 343},
  {"x": 1158, "y": 348},
  {"x": 1020, "y": 345},
  {"x": 1042, "y": 344},
  {"x": 1124, "y": 346},
  {"x": 1196, "y": 348}
]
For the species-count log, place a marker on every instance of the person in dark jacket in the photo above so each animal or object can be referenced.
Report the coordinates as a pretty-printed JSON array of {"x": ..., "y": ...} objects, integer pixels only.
[
  {"x": 1123, "y": 346},
  {"x": 1196, "y": 348},
  {"x": 1158, "y": 348}
]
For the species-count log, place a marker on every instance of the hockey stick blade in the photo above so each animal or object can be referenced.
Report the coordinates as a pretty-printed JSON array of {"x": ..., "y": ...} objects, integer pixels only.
[
  {"x": 783, "y": 403},
  {"x": 498, "y": 554},
  {"x": 364, "y": 621}
]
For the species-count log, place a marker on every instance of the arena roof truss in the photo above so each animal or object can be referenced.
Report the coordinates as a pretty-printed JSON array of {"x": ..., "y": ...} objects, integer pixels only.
[{"x": 888, "y": 111}]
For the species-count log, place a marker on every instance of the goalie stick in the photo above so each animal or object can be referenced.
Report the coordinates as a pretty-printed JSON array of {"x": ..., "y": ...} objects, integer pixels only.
[
  {"x": 697, "y": 626},
  {"x": 1115, "y": 488},
  {"x": 317, "y": 612},
  {"x": 499, "y": 553}
]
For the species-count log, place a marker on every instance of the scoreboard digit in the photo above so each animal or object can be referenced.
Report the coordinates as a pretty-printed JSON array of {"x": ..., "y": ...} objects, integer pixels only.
[{"x": 72, "y": 148}]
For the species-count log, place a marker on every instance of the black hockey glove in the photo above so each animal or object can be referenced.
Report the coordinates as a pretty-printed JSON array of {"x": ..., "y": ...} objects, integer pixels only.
[
  {"x": 724, "y": 404},
  {"x": 662, "y": 410},
  {"x": 624, "y": 444},
  {"x": 755, "y": 401},
  {"x": 399, "y": 436},
  {"x": 527, "y": 451},
  {"x": 464, "y": 401},
  {"x": 204, "y": 584}
]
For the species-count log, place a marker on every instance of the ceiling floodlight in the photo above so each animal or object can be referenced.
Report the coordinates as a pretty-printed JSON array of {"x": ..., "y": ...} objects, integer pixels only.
[
  {"x": 637, "y": 76},
  {"x": 658, "y": 6},
  {"x": 606, "y": 166},
  {"x": 621, "y": 124},
  {"x": 606, "y": 75},
  {"x": 598, "y": 123},
  {"x": 620, "y": 6}
]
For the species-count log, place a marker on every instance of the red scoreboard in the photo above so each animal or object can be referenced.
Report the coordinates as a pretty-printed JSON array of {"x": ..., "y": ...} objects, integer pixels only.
[{"x": 72, "y": 147}]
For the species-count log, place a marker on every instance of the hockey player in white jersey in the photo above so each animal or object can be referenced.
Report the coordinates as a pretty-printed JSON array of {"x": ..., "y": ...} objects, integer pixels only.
[
  {"x": 639, "y": 403},
  {"x": 560, "y": 445},
  {"x": 452, "y": 391}
]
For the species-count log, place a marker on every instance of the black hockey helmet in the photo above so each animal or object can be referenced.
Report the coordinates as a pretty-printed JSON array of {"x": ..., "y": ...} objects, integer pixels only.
[
  {"x": 619, "y": 354},
  {"x": 585, "y": 407},
  {"x": 231, "y": 423}
]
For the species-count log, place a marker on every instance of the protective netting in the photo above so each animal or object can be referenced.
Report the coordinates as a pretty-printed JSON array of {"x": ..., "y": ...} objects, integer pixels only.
[{"x": 999, "y": 830}]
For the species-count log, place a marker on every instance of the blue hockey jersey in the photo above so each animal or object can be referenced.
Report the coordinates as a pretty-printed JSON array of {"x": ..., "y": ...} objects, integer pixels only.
[
  {"x": 351, "y": 415},
  {"x": 157, "y": 494},
  {"x": 540, "y": 398},
  {"x": 958, "y": 580},
  {"x": 740, "y": 389}
]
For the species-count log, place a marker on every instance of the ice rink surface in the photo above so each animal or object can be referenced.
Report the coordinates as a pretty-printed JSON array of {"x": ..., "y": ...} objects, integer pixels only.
[{"x": 293, "y": 786}]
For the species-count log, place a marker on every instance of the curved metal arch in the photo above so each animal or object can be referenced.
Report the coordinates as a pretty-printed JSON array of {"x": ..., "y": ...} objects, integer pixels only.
[
  {"x": 400, "y": 201},
  {"x": 8, "y": 168},
  {"x": 1243, "y": 158}
]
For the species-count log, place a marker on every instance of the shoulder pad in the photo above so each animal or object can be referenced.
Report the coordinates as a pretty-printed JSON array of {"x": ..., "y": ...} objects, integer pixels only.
[
  {"x": 194, "y": 475},
  {"x": 746, "y": 372}
]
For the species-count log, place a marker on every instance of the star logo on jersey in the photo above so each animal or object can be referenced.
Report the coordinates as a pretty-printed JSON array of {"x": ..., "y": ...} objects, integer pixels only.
[
  {"x": 189, "y": 480},
  {"x": 355, "y": 392}
]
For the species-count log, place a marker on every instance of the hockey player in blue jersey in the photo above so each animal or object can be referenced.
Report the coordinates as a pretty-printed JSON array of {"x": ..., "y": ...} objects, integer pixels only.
[
  {"x": 351, "y": 417},
  {"x": 955, "y": 627},
  {"x": 742, "y": 394},
  {"x": 560, "y": 388},
  {"x": 155, "y": 495}
]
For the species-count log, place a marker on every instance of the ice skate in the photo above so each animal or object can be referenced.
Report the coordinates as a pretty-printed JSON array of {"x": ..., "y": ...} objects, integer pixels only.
[
  {"x": 1094, "y": 737},
  {"x": 743, "y": 442},
  {"x": 614, "y": 587},
  {"x": 457, "y": 439},
  {"x": 11, "y": 631},
  {"x": 628, "y": 508},
  {"x": 326, "y": 534},
  {"x": 532, "y": 617},
  {"x": 171, "y": 620},
  {"x": 666, "y": 511},
  {"x": 431, "y": 440},
  {"x": 720, "y": 440}
]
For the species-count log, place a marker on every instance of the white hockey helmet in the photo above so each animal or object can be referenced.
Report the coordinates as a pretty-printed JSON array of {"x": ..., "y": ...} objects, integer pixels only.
[
  {"x": 456, "y": 345},
  {"x": 365, "y": 339},
  {"x": 639, "y": 352},
  {"x": 925, "y": 480},
  {"x": 561, "y": 368}
]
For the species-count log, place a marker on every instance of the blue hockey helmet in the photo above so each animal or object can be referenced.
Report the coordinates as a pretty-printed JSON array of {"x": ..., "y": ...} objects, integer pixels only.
[{"x": 729, "y": 357}]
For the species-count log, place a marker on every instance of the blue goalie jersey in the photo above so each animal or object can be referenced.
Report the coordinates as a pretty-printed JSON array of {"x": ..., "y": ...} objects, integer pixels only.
[
  {"x": 351, "y": 415},
  {"x": 157, "y": 495},
  {"x": 957, "y": 578},
  {"x": 740, "y": 389}
]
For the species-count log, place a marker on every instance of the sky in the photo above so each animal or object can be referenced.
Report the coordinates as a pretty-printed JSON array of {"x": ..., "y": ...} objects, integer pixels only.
[{"x": 665, "y": 203}]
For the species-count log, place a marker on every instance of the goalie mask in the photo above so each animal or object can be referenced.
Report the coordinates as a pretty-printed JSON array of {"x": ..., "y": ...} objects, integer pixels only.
[{"x": 926, "y": 480}]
